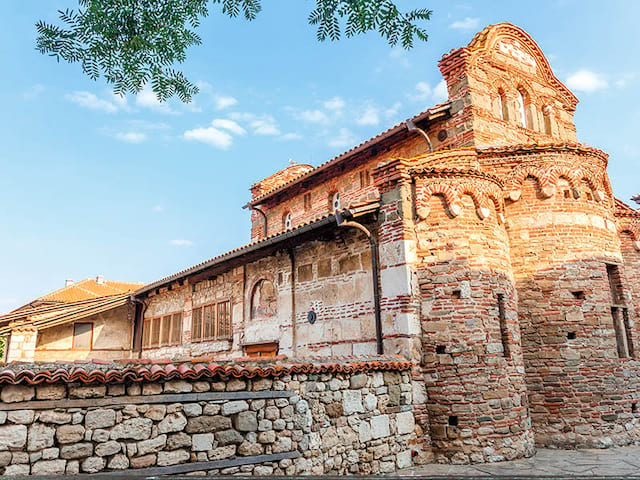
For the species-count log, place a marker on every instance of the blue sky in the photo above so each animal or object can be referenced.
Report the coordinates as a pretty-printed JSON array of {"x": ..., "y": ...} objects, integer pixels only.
[{"x": 134, "y": 190}]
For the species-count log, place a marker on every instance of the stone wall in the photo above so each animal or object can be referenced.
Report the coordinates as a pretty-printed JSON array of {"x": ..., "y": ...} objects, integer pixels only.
[{"x": 340, "y": 418}]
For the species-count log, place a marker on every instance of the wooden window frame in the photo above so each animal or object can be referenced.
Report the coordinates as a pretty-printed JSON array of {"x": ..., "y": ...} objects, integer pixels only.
[
  {"x": 365, "y": 178},
  {"x": 216, "y": 325},
  {"x": 148, "y": 331},
  {"x": 73, "y": 336},
  {"x": 307, "y": 201}
]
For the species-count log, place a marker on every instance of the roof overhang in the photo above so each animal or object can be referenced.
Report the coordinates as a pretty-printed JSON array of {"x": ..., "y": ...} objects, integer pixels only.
[
  {"x": 257, "y": 250},
  {"x": 393, "y": 134}
]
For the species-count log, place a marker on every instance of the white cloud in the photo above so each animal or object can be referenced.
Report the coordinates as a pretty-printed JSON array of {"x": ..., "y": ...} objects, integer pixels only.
[
  {"x": 399, "y": 55},
  {"x": 260, "y": 124},
  {"x": 335, "y": 104},
  {"x": 345, "y": 138},
  {"x": 287, "y": 137},
  {"x": 313, "y": 116},
  {"x": 393, "y": 110},
  {"x": 158, "y": 208},
  {"x": 91, "y": 101},
  {"x": 131, "y": 137},
  {"x": 440, "y": 93},
  {"x": 624, "y": 80},
  {"x": 33, "y": 91},
  {"x": 369, "y": 117},
  {"x": 221, "y": 102},
  {"x": 423, "y": 91},
  {"x": 586, "y": 81},
  {"x": 181, "y": 242},
  {"x": 469, "y": 23},
  {"x": 147, "y": 99},
  {"x": 229, "y": 125},
  {"x": 211, "y": 136}
]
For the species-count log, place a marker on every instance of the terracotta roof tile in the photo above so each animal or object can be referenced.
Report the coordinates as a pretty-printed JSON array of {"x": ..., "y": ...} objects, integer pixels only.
[
  {"x": 87, "y": 289},
  {"x": 137, "y": 371}
]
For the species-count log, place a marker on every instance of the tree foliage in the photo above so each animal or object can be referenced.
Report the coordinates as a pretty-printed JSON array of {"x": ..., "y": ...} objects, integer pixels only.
[{"x": 133, "y": 43}]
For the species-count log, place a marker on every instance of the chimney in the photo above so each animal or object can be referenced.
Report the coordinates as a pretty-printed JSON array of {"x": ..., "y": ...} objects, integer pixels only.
[
  {"x": 100, "y": 280},
  {"x": 68, "y": 282}
]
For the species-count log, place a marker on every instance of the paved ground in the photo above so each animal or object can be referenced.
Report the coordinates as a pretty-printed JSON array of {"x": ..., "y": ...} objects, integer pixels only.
[{"x": 621, "y": 461}]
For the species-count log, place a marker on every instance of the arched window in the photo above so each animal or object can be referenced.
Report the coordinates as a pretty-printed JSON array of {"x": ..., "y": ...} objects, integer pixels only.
[
  {"x": 286, "y": 221},
  {"x": 334, "y": 202},
  {"x": 504, "y": 110},
  {"x": 264, "y": 301},
  {"x": 522, "y": 109}
]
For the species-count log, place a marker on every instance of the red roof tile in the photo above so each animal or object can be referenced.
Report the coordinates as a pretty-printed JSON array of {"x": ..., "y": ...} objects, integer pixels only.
[{"x": 137, "y": 371}]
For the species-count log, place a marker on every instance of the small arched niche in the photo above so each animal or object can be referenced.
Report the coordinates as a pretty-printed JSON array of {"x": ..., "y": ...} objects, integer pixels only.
[{"x": 264, "y": 300}]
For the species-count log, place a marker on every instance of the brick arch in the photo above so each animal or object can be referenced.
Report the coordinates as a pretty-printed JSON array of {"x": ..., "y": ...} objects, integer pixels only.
[
  {"x": 447, "y": 192},
  {"x": 520, "y": 174}
]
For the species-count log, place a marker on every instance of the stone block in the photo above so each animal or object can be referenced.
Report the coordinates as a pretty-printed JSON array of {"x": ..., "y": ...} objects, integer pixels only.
[
  {"x": 249, "y": 449},
  {"x": 226, "y": 437},
  {"x": 151, "y": 389},
  {"x": 221, "y": 453},
  {"x": 233, "y": 407},
  {"x": 5, "y": 458},
  {"x": 283, "y": 444},
  {"x": 23, "y": 417},
  {"x": 40, "y": 436},
  {"x": 405, "y": 423},
  {"x": 192, "y": 409},
  {"x": 70, "y": 433},
  {"x": 172, "y": 458},
  {"x": 16, "y": 470},
  {"x": 51, "y": 416},
  {"x": 174, "y": 422},
  {"x": 107, "y": 449},
  {"x": 202, "y": 442},
  {"x": 156, "y": 412},
  {"x": 87, "y": 391},
  {"x": 245, "y": 421},
  {"x": 178, "y": 440},
  {"x": 206, "y": 424},
  {"x": 100, "y": 418},
  {"x": 16, "y": 393},
  {"x": 50, "y": 453},
  {"x": 267, "y": 437},
  {"x": 380, "y": 426},
  {"x": 118, "y": 462},
  {"x": 49, "y": 467},
  {"x": 236, "y": 385},
  {"x": 352, "y": 402},
  {"x": 51, "y": 392},
  {"x": 178, "y": 386},
  {"x": 92, "y": 464},
  {"x": 358, "y": 381},
  {"x": 133, "y": 428},
  {"x": 76, "y": 451}
]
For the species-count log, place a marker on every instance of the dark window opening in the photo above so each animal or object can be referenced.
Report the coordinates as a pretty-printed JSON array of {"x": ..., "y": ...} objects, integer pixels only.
[
  {"x": 578, "y": 294},
  {"x": 307, "y": 202},
  {"x": 634, "y": 408},
  {"x": 457, "y": 293},
  {"x": 567, "y": 193},
  {"x": 441, "y": 349},
  {"x": 622, "y": 328},
  {"x": 453, "y": 420},
  {"x": 547, "y": 122},
  {"x": 504, "y": 329},
  {"x": 615, "y": 284},
  {"x": 82, "y": 336},
  {"x": 571, "y": 335}
]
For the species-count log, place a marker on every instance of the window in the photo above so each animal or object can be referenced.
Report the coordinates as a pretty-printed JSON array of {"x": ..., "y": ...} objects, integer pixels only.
[
  {"x": 268, "y": 350},
  {"x": 162, "y": 331},
  {"x": 286, "y": 221},
  {"x": 83, "y": 336},
  {"x": 522, "y": 109},
  {"x": 211, "y": 322},
  {"x": 546, "y": 116},
  {"x": 504, "y": 330},
  {"x": 619, "y": 313},
  {"x": 504, "y": 110},
  {"x": 334, "y": 202},
  {"x": 307, "y": 202},
  {"x": 365, "y": 178}
]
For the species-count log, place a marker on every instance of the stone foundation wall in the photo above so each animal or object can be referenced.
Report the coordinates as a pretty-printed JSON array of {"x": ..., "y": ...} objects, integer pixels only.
[{"x": 297, "y": 423}]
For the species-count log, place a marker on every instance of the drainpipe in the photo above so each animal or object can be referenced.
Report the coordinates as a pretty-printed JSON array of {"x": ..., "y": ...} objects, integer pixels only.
[
  {"x": 413, "y": 128},
  {"x": 264, "y": 217},
  {"x": 138, "y": 324},
  {"x": 342, "y": 222},
  {"x": 294, "y": 339}
]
